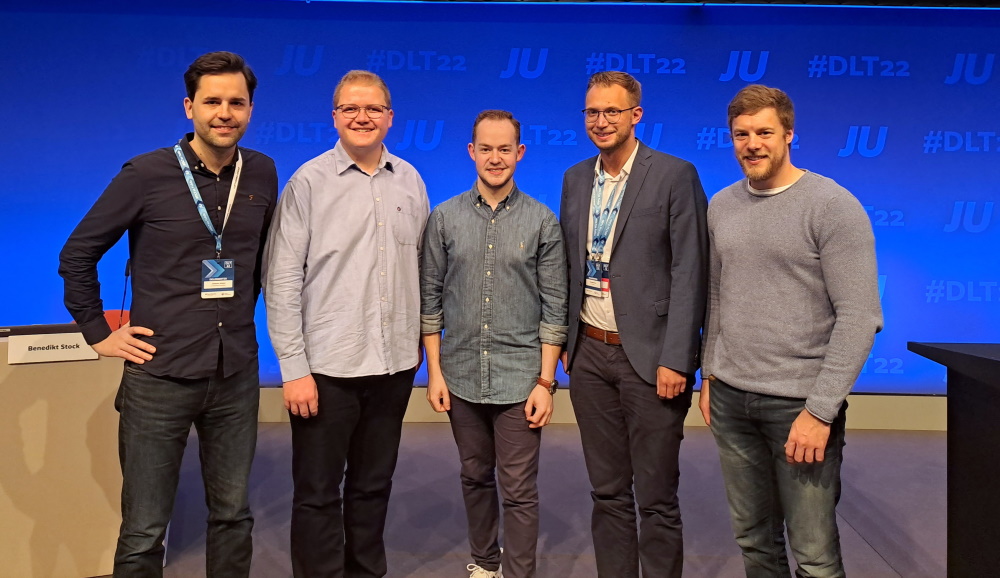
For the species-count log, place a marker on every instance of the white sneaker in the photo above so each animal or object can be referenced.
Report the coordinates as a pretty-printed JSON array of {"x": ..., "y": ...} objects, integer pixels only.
[{"x": 480, "y": 572}]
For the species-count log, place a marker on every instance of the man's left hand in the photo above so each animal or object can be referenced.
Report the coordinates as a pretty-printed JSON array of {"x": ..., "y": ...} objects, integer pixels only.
[
  {"x": 669, "y": 383},
  {"x": 538, "y": 408},
  {"x": 807, "y": 439}
]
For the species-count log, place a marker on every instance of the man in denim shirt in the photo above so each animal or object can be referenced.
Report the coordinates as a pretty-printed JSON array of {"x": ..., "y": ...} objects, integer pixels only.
[{"x": 493, "y": 277}]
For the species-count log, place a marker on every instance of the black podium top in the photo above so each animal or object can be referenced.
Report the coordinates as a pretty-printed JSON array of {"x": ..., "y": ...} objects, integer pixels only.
[{"x": 980, "y": 361}]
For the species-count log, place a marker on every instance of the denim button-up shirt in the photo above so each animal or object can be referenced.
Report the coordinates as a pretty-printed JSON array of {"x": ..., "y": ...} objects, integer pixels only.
[{"x": 495, "y": 282}]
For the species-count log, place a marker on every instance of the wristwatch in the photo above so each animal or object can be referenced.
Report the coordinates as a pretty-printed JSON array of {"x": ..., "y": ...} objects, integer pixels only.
[{"x": 552, "y": 386}]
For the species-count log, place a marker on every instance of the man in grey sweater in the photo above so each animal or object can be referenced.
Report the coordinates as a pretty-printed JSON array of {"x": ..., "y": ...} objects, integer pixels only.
[{"x": 793, "y": 312}]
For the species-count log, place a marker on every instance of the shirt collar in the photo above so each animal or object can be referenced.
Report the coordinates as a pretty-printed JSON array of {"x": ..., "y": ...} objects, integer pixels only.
[
  {"x": 343, "y": 161},
  {"x": 509, "y": 201},
  {"x": 625, "y": 169},
  {"x": 194, "y": 160}
]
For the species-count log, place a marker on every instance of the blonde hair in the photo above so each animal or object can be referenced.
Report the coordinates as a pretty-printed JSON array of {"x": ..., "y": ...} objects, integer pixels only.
[{"x": 364, "y": 78}]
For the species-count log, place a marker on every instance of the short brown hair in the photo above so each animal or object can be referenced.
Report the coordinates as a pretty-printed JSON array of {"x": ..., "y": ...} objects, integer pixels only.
[
  {"x": 364, "y": 78},
  {"x": 214, "y": 63},
  {"x": 498, "y": 115},
  {"x": 622, "y": 79},
  {"x": 756, "y": 97}
]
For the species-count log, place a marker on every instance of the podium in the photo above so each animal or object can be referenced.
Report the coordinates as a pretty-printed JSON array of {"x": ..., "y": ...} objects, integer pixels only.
[
  {"x": 973, "y": 447},
  {"x": 60, "y": 482}
]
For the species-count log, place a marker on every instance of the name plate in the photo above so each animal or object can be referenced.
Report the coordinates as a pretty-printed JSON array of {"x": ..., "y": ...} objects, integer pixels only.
[{"x": 48, "y": 348}]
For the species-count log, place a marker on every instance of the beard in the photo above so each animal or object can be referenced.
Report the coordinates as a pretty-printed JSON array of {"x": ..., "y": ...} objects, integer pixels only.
[
  {"x": 620, "y": 140},
  {"x": 766, "y": 170}
]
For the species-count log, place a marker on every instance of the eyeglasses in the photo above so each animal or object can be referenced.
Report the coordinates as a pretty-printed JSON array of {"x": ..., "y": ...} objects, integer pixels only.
[
  {"x": 611, "y": 115},
  {"x": 373, "y": 111}
]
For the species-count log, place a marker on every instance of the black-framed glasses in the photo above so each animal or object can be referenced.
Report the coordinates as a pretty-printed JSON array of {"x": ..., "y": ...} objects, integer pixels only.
[
  {"x": 372, "y": 111},
  {"x": 611, "y": 115}
]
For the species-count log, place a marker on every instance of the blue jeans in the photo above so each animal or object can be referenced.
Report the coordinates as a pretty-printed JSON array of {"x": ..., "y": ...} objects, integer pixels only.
[
  {"x": 766, "y": 493},
  {"x": 156, "y": 418}
]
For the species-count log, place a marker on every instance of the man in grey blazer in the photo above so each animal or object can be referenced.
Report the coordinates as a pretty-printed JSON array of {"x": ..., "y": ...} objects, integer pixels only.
[{"x": 637, "y": 246}]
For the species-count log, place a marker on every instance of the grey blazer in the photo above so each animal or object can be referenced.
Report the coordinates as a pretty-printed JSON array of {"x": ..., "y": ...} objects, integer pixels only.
[{"x": 659, "y": 260}]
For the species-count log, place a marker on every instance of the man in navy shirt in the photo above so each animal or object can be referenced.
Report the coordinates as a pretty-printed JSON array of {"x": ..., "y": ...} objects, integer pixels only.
[{"x": 191, "y": 348}]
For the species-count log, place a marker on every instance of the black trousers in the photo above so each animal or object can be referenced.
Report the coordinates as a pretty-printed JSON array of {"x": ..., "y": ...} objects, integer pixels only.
[
  {"x": 358, "y": 429},
  {"x": 631, "y": 441}
]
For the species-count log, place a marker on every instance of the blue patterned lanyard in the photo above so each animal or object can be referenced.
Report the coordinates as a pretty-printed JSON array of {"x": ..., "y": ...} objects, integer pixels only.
[
  {"x": 200, "y": 204},
  {"x": 603, "y": 218}
]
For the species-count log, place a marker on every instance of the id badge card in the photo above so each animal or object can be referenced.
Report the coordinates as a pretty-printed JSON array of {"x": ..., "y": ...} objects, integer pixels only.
[
  {"x": 218, "y": 278},
  {"x": 597, "y": 283}
]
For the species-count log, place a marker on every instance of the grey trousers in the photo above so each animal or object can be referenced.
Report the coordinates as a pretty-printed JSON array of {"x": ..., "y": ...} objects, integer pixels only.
[
  {"x": 497, "y": 438},
  {"x": 631, "y": 444}
]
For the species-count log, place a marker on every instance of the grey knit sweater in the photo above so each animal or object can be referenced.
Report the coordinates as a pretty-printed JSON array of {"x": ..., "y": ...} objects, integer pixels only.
[{"x": 793, "y": 294}]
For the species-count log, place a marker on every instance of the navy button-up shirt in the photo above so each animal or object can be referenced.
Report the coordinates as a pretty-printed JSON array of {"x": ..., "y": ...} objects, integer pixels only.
[
  {"x": 167, "y": 242},
  {"x": 495, "y": 282}
]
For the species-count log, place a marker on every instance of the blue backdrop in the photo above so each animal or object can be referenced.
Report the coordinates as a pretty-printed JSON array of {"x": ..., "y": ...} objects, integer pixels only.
[{"x": 898, "y": 105}]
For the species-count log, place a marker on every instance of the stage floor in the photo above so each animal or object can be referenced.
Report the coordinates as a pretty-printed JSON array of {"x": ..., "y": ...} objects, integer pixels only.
[{"x": 892, "y": 514}]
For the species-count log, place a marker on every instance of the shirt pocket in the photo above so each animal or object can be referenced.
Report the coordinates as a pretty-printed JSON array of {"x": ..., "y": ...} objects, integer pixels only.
[{"x": 407, "y": 223}]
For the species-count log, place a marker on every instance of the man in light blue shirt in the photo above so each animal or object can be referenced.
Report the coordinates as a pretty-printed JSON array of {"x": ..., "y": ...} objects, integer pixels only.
[
  {"x": 493, "y": 279},
  {"x": 342, "y": 290}
]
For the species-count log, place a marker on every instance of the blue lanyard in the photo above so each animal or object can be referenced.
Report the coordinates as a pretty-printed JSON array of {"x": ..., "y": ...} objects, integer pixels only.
[
  {"x": 200, "y": 204},
  {"x": 604, "y": 218}
]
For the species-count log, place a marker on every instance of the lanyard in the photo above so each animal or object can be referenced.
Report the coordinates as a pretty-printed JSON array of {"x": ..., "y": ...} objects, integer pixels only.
[
  {"x": 200, "y": 204},
  {"x": 604, "y": 218}
]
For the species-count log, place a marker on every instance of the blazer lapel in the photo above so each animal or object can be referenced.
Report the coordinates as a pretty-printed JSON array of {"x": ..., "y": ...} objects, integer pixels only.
[
  {"x": 583, "y": 203},
  {"x": 632, "y": 187}
]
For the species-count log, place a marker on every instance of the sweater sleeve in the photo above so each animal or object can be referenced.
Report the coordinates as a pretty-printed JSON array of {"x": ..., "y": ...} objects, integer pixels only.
[
  {"x": 711, "y": 332},
  {"x": 847, "y": 258}
]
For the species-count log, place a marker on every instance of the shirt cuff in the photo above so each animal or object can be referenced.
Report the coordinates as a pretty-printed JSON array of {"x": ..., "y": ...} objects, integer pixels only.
[
  {"x": 432, "y": 323},
  {"x": 95, "y": 331},
  {"x": 819, "y": 417},
  {"x": 294, "y": 367},
  {"x": 552, "y": 334}
]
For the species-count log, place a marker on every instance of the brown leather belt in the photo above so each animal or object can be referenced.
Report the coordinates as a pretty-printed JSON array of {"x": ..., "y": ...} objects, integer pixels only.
[{"x": 609, "y": 337}]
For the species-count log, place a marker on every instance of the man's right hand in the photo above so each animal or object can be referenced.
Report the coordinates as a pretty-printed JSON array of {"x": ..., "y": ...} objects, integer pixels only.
[
  {"x": 437, "y": 393},
  {"x": 703, "y": 403},
  {"x": 123, "y": 343},
  {"x": 301, "y": 396},
  {"x": 564, "y": 358}
]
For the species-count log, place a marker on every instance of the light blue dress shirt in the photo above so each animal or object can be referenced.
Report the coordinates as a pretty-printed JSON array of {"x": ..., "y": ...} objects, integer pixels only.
[{"x": 341, "y": 268}]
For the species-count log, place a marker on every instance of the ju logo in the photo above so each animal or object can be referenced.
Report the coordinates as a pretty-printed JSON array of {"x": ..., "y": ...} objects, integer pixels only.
[
  {"x": 295, "y": 60},
  {"x": 859, "y": 137},
  {"x": 519, "y": 62},
  {"x": 416, "y": 135},
  {"x": 964, "y": 216},
  {"x": 965, "y": 66},
  {"x": 741, "y": 61}
]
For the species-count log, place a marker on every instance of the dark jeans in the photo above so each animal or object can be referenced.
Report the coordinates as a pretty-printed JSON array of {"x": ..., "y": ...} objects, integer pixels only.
[
  {"x": 358, "y": 427},
  {"x": 497, "y": 436},
  {"x": 766, "y": 492},
  {"x": 631, "y": 439},
  {"x": 156, "y": 418}
]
